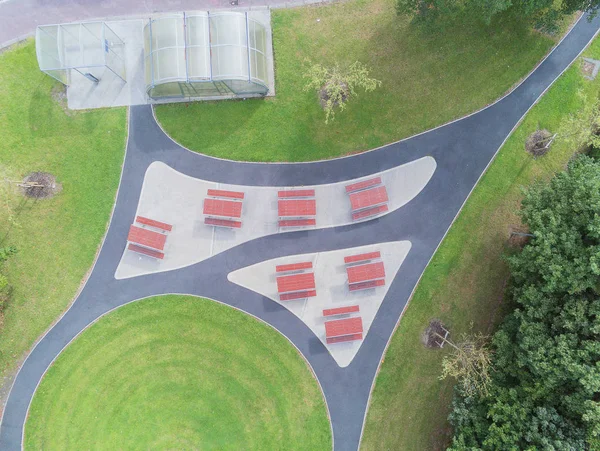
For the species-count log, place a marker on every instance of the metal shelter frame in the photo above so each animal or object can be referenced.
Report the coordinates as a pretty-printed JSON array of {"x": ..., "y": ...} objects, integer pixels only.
[
  {"x": 85, "y": 47},
  {"x": 205, "y": 55}
]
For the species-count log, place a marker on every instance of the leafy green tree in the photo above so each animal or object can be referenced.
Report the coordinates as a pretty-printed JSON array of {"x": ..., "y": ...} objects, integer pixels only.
[
  {"x": 581, "y": 129},
  {"x": 543, "y": 14},
  {"x": 336, "y": 85},
  {"x": 545, "y": 387}
]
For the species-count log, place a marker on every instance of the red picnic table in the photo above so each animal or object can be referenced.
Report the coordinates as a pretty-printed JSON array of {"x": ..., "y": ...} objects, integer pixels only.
[
  {"x": 341, "y": 327},
  {"x": 220, "y": 207},
  {"x": 297, "y": 207},
  {"x": 368, "y": 198},
  {"x": 146, "y": 237},
  {"x": 296, "y": 282},
  {"x": 364, "y": 273}
]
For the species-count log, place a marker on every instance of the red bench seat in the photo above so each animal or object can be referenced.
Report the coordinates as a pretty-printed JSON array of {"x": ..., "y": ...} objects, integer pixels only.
[
  {"x": 341, "y": 310},
  {"x": 344, "y": 338},
  {"x": 293, "y": 267},
  {"x": 369, "y": 212},
  {"x": 297, "y": 222},
  {"x": 297, "y": 193},
  {"x": 227, "y": 194},
  {"x": 366, "y": 285},
  {"x": 152, "y": 223},
  {"x": 362, "y": 257},
  {"x": 223, "y": 223},
  {"x": 363, "y": 185},
  {"x": 145, "y": 251},
  {"x": 297, "y": 295}
]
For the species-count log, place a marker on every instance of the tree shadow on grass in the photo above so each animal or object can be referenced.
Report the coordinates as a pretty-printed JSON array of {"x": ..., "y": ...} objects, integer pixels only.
[{"x": 47, "y": 118}]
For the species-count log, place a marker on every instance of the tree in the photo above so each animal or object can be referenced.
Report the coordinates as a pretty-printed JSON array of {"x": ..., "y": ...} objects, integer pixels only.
[
  {"x": 545, "y": 386},
  {"x": 469, "y": 363},
  {"x": 581, "y": 129},
  {"x": 336, "y": 85},
  {"x": 543, "y": 14}
]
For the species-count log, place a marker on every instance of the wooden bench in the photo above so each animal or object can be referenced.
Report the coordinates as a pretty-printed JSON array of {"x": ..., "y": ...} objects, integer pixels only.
[
  {"x": 297, "y": 193},
  {"x": 297, "y": 295},
  {"x": 152, "y": 223},
  {"x": 341, "y": 310},
  {"x": 366, "y": 285},
  {"x": 293, "y": 267},
  {"x": 227, "y": 194},
  {"x": 369, "y": 212},
  {"x": 344, "y": 338},
  {"x": 145, "y": 251},
  {"x": 363, "y": 185},
  {"x": 297, "y": 222},
  {"x": 223, "y": 223},
  {"x": 362, "y": 257}
]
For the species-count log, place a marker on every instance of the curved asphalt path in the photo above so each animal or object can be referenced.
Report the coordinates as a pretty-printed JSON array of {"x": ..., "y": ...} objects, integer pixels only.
[
  {"x": 462, "y": 149},
  {"x": 18, "y": 18}
]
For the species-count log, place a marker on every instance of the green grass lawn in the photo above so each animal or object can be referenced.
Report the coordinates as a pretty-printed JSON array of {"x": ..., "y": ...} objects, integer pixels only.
[
  {"x": 176, "y": 372},
  {"x": 429, "y": 77},
  {"x": 57, "y": 238},
  {"x": 464, "y": 282}
]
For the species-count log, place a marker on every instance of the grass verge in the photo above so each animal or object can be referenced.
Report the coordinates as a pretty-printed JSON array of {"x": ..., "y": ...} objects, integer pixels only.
[
  {"x": 168, "y": 373},
  {"x": 429, "y": 77},
  {"x": 57, "y": 238},
  {"x": 464, "y": 282}
]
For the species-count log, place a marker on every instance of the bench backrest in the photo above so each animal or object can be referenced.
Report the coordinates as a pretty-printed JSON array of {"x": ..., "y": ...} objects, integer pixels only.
[
  {"x": 362, "y": 257},
  {"x": 227, "y": 194},
  {"x": 152, "y": 223},
  {"x": 293, "y": 267},
  {"x": 297, "y": 193},
  {"x": 363, "y": 185}
]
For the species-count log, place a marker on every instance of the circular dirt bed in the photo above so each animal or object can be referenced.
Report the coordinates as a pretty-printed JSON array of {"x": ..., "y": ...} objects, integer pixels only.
[
  {"x": 431, "y": 335},
  {"x": 40, "y": 185},
  {"x": 324, "y": 95},
  {"x": 538, "y": 143}
]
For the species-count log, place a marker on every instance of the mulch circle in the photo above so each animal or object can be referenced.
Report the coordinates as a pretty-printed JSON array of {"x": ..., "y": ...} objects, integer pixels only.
[
  {"x": 429, "y": 337},
  {"x": 43, "y": 186},
  {"x": 537, "y": 143}
]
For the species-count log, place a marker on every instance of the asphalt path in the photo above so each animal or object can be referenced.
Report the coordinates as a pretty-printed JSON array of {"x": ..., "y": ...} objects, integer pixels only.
[
  {"x": 462, "y": 149},
  {"x": 19, "y": 18}
]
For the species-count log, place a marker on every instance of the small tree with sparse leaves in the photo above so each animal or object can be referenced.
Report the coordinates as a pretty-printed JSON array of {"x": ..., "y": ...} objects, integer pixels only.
[
  {"x": 582, "y": 128},
  {"x": 336, "y": 85},
  {"x": 469, "y": 363}
]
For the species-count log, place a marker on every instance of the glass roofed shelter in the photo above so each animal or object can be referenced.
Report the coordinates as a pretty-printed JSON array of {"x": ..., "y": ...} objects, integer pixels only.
[
  {"x": 88, "y": 48},
  {"x": 205, "y": 54}
]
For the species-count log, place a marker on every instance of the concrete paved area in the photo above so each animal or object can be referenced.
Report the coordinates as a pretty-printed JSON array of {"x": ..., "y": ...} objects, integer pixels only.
[
  {"x": 177, "y": 199},
  {"x": 332, "y": 289},
  {"x": 112, "y": 90},
  {"x": 462, "y": 151}
]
